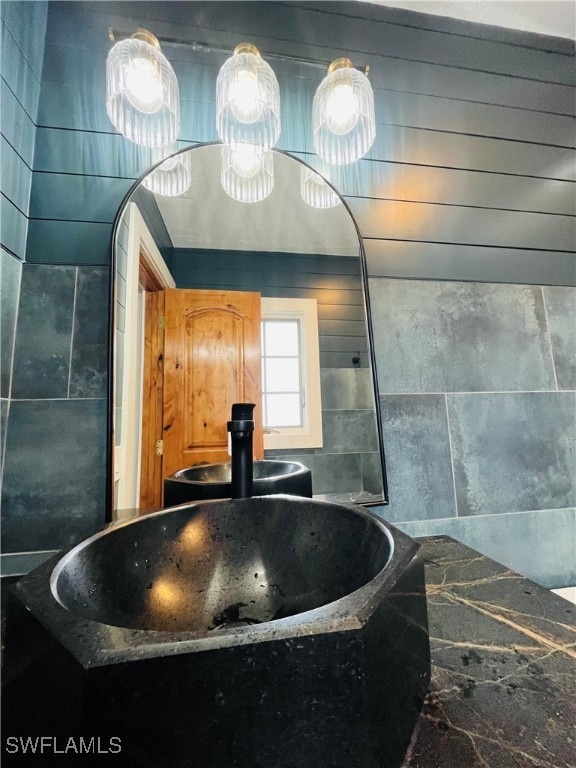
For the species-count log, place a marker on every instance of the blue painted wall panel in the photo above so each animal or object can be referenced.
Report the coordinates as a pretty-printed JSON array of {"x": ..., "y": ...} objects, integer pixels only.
[
  {"x": 78, "y": 109},
  {"x": 449, "y": 261},
  {"x": 16, "y": 176},
  {"x": 93, "y": 154},
  {"x": 68, "y": 242},
  {"x": 27, "y": 24},
  {"x": 16, "y": 126},
  {"x": 17, "y": 72},
  {"x": 13, "y": 228},
  {"x": 76, "y": 197}
]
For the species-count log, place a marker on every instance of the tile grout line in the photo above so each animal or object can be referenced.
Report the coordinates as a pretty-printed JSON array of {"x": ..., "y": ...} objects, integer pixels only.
[
  {"x": 478, "y": 392},
  {"x": 451, "y": 455},
  {"x": 488, "y": 514},
  {"x": 72, "y": 333},
  {"x": 549, "y": 336}
]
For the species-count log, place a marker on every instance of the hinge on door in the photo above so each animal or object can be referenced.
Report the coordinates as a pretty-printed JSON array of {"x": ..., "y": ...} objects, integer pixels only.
[
  {"x": 162, "y": 322},
  {"x": 159, "y": 447}
]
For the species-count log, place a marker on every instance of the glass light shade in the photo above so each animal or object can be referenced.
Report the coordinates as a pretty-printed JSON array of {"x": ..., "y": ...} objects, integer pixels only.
[
  {"x": 343, "y": 116},
  {"x": 247, "y": 100},
  {"x": 247, "y": 172},
  {"x": 315, "y": 191},
  {"x": 142, "y": 96},
  {"x": 173, "y": 177}
]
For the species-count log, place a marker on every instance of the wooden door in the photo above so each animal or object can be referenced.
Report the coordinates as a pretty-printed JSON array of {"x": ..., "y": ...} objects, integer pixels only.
[
  {"x": 151, "y": 490},
  {"x": 211, "y": 360}
]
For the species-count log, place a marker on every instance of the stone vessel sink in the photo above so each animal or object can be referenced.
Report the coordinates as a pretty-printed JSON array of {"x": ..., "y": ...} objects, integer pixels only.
[
  {"x": 213, "y": 481},
  {"x": 275, "y": 631}
]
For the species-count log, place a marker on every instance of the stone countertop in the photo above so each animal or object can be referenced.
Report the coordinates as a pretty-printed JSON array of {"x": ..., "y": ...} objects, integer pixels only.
[
  {"x": 503, "y": 667},
  {"x": 503, "y": 688}
]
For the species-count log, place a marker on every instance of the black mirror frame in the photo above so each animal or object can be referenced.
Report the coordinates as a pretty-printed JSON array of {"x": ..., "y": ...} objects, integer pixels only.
[{"x": 111, "y": 329}]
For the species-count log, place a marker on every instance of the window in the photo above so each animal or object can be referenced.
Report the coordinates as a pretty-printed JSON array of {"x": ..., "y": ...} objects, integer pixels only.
[{"x": 292, "y": 408}]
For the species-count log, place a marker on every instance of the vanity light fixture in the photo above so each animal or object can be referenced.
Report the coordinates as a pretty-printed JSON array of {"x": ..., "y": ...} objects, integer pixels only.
[
  {"x": 344, "y": 122},
  {"x": 315, "y": 191},
  {"x": 247, "y": 100},
  {"x": 173, "y": 177},
  {"x": 247, "y": 172},
  {"x": 142, "y": 95}
]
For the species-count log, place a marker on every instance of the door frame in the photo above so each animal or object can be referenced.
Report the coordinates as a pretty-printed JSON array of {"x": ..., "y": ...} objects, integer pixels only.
[{"x": 145, "y": 270}]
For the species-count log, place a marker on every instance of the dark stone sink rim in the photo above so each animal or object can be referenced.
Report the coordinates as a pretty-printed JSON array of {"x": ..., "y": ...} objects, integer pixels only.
[{"x": 94, "y": 643}]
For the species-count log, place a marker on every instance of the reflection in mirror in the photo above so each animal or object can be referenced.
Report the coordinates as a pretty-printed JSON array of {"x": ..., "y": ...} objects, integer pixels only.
[{"x": 219, "y": 301}]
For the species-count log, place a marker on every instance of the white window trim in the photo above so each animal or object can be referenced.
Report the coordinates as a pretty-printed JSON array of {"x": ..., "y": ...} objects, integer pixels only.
[{"x": 310, "y": 434}]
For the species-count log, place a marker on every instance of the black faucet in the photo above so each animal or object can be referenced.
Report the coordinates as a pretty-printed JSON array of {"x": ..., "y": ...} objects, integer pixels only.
[{"x": 241, "y": 428}]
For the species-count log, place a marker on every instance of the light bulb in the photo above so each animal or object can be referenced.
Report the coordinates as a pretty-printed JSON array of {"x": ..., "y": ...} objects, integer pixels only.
[
  {"x": 170, "y": 163},
  {"x": 342, "y": 109},
  {"x": 247, "y": 159},
  {"x": 247, "y": 172},
  {"x": 247, "y": 100},
  {"x": 173, "y": 176},
  {"x": 343, "y": 118},
  {"x": 315, "y": 191},
  {"x": 142, "y": 95},
  {"x": 245, "y": 97},
  {"x": 144, "y": 85}
]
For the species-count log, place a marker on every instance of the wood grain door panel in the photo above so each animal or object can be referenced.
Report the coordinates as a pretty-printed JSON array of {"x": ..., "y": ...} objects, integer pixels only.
[
  {"x": 151, "y": 490},
  {"x": 212, "y": 360}
]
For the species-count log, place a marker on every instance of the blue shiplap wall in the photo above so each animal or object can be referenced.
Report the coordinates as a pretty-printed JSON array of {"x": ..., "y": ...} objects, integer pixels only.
[
  {"x": 22, "y": 30},
  {"x": 471, "y": 178}
]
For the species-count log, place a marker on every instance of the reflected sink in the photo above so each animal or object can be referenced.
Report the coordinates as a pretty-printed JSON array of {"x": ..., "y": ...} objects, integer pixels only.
[
  {"x": 213, "y": 481},
  {"x": 274, "y": 631}
]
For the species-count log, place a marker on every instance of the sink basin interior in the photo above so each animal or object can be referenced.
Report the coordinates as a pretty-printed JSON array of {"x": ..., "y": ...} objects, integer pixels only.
[
  {"x": 219, "y": 564},
  {"x": 214, "y": 481},
  {"x": 222, "y": 473}
]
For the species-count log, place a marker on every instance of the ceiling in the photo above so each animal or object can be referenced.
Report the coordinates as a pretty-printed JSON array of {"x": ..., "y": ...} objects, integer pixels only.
[
  {"x": 205, "y": 217},
  {"x": 545, "y": 17}
]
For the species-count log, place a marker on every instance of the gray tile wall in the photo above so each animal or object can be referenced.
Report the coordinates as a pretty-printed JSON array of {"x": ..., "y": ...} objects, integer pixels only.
[
  {"x": 10, "y": 276},
  {"x": 53, "y": 481},
  {"x": 349, "y": 461},
  {"x": 541, "y": 543},
  {"x": 478, "y": 401},
  {"x": 458, "y": 337},
  {"x": 561, "y": 312},
  {"x": 54, "y": 476},
  {"x": 43, "y": 339}
]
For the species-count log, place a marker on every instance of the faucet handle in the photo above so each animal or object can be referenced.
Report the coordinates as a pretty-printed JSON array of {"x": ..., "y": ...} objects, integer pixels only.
[{"x": 242, "y": 411}]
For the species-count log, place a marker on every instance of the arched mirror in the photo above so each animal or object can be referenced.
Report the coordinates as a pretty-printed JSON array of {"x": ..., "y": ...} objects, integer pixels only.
[{"x": 216, "y": 301}]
